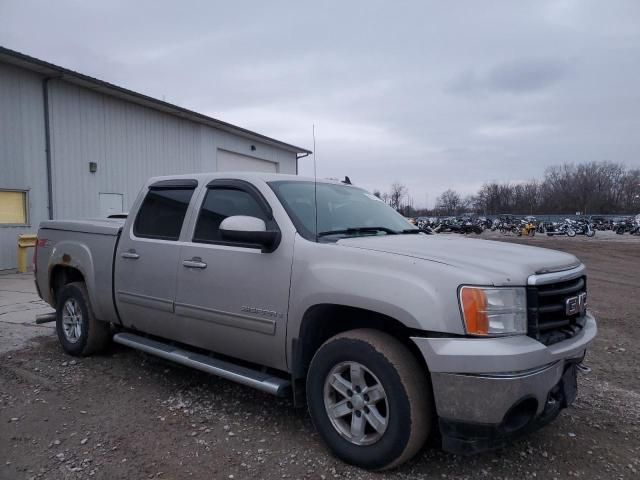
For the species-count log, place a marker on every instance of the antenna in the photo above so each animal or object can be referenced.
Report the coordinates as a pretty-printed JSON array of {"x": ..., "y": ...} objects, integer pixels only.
[{"x": 315, "y": 180}]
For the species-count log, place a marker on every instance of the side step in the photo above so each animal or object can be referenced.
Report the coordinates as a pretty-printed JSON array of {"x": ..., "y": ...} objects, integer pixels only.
[{"x": 230, "y": 371}]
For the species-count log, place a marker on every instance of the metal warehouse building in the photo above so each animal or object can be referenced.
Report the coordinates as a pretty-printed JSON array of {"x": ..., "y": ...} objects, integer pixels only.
[{"x": 72, "y": 146}]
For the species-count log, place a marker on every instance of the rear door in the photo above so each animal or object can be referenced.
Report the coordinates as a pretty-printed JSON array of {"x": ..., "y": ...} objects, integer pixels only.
[
  {"x": 147, "y": 258},
  {"x": 232, "y": 298}
]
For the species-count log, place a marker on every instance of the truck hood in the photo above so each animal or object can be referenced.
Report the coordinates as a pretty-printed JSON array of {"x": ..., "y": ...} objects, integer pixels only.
[{"x": 501, "y": 263}]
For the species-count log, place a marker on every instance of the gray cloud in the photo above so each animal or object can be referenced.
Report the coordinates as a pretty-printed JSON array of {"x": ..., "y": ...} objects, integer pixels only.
[
  {"x": 526, "y": 75},
  {"x": 431, "y": 94},
  {"x": 517, "y": 77}
]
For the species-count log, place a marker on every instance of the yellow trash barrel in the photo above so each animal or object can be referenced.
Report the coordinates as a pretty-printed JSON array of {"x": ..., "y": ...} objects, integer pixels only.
[{"x": 25, "y": 241}]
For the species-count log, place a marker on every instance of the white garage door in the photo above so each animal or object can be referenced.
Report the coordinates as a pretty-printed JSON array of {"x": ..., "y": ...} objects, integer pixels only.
[{"x": 236, "y": 162}]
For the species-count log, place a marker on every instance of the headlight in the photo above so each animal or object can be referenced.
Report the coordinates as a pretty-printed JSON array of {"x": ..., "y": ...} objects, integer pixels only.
[{"x": 493, "y": 310}]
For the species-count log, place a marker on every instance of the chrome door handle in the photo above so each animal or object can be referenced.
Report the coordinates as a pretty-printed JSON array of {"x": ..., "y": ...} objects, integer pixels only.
[
  {"x": 195, "y": 262},
  {"x": 131, "y": 255}
]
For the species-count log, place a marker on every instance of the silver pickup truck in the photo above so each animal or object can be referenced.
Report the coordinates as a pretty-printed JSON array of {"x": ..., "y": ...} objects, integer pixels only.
[{"x": 321, "y": 291}]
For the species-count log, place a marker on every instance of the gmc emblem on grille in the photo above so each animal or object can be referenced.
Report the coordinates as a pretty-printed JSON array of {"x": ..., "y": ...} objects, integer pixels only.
[{"x": 577, "y": 304}]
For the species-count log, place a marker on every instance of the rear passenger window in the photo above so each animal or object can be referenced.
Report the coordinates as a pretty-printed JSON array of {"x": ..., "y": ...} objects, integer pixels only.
[
  {"x": 219, "y": 204},
  {"x": 162, "y": 213}
]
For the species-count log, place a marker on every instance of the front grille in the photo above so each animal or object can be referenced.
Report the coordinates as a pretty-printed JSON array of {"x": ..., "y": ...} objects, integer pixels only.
[{"x": 548, "y": 320}]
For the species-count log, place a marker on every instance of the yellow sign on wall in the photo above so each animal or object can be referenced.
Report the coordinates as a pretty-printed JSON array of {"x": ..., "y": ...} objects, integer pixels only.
[{"x": 13, "y": 208}]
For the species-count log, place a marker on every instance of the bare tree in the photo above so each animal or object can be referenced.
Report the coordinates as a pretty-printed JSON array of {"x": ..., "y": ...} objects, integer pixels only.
[
  {"x": 398, "y": 192},
  {"x": 590, "y": 188},
  {"x": 449, "y": 203}
]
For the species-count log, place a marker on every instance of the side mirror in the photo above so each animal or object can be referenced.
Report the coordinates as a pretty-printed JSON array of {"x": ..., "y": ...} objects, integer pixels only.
[{"x": 249, "y": 230}]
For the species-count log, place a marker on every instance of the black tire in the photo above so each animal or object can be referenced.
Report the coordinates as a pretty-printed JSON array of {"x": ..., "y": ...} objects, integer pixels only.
[
  {"x": 95, "y": 335},
  {"x": 409, "y": 397},
  {"x": 571, "y": 232},
  {"x": 532, "y": 232}
]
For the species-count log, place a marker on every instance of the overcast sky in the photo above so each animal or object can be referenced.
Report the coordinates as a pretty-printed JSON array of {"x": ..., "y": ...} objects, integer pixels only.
[{"x": 431, "y": 94}]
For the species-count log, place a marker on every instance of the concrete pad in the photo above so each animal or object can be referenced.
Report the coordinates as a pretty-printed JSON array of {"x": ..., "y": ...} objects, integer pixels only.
[{"x": 19, "y": 305}]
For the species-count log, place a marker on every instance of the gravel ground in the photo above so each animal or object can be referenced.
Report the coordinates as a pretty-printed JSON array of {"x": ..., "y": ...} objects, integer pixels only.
[{"x": 128, "y": 415}]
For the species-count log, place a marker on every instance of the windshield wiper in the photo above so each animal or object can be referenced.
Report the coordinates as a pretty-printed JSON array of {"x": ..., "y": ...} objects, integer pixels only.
[
  {"x": 348, "y": 231},
  {"x": 409, "y": 231}
]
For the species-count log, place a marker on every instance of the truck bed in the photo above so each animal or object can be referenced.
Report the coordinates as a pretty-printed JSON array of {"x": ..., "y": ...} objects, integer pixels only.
[
  {"x": 101, "y": 226},
  {"x": 87, "y": 246}
]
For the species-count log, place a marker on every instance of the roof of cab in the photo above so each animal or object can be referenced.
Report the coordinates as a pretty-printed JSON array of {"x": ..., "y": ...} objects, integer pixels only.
[{"x": 249, "y": 176}]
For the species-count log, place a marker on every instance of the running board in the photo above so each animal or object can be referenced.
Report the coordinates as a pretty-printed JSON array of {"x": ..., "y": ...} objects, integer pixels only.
[{"x": 227, "y": 370}]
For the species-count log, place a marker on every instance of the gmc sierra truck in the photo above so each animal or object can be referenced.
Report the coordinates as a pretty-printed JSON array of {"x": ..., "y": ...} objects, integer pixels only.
[{"x": 321, "y": 291}]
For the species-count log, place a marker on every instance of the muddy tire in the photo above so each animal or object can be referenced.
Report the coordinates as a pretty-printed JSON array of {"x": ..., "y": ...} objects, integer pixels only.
[
  {"x": 369, "y": 399},
  {"x": 79, "y": 332}
]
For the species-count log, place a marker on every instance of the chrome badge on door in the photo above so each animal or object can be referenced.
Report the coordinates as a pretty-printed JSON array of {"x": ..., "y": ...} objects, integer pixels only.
[{"x": 577, "y": 304}]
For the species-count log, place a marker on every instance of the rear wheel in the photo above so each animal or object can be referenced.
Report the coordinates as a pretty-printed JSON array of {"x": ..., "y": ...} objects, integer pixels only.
[
  {"x": 79, "y": 332},
  {"x": 369, "y": 399},
  {"x": 571, "y": 232}
]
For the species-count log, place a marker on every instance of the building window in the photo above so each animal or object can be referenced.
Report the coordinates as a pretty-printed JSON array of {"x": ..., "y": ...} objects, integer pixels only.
[{"x": 13, "y": 207}]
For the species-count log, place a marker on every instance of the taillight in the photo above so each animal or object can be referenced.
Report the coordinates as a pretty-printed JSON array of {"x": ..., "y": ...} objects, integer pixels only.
[{"x": 40, "y": 242}]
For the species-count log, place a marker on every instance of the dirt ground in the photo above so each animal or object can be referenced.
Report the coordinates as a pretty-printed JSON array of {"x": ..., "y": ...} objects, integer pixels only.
[{"x": 128, "y": 415}]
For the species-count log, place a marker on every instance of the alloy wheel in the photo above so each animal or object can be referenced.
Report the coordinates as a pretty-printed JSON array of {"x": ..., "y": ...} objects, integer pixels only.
[
  {"x": 72, "y": 320},
  {"x": 356, "y": 403}
]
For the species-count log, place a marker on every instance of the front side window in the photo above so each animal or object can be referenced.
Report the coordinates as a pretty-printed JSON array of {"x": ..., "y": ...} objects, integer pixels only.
[
  {"x": 162, "y": 213},
  {"x": 220, "y": 203},
  {"x": 13, "y": 207},
  {"x": 342, "y": 211}
]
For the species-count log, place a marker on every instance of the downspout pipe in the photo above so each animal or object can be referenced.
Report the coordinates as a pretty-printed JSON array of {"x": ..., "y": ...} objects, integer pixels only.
[
  {"x": 47, "y": 144},
  {"x": 298, "y": 157}
]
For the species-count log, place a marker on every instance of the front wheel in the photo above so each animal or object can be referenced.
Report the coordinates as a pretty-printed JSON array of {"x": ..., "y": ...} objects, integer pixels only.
[
  {"x": 369, "y": 399},
  {"x": 591, "y": 233},
  {"x": 571, "y": 232}
]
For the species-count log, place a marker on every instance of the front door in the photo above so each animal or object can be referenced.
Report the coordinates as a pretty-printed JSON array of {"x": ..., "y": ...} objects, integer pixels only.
[
  {"x": 147, "y": 259},
  {"x": 231, "y": 298}
]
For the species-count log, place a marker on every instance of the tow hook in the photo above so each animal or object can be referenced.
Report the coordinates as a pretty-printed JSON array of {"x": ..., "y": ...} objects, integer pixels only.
[{"x": 583, "y": 368}]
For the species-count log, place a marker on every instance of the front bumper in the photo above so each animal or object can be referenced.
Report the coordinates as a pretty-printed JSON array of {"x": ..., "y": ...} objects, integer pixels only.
[{"x": 492, "y": 388}]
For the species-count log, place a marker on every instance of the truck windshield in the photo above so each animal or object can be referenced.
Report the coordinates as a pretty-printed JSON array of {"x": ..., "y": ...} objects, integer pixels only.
[{"x": 343, "y": 211}]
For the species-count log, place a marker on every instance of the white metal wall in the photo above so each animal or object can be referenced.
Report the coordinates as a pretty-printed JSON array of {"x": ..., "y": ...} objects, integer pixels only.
[
  {"x": 128, "y": 142},
  {"x": 22, "y": 151}
]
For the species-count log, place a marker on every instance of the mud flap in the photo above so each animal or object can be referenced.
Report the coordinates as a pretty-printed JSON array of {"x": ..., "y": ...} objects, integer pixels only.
[{"x": 569, "y": 385}]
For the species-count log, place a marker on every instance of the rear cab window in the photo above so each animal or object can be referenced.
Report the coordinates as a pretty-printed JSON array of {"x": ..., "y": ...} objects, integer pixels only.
[{"x": 163, "y": 209}]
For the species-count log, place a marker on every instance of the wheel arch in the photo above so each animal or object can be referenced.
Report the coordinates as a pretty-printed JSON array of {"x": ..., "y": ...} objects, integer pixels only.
[
  {"x": 322, "y": 321},
  {"x": 76, "y": 262},
  {"x": 61, "y": 275}
]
